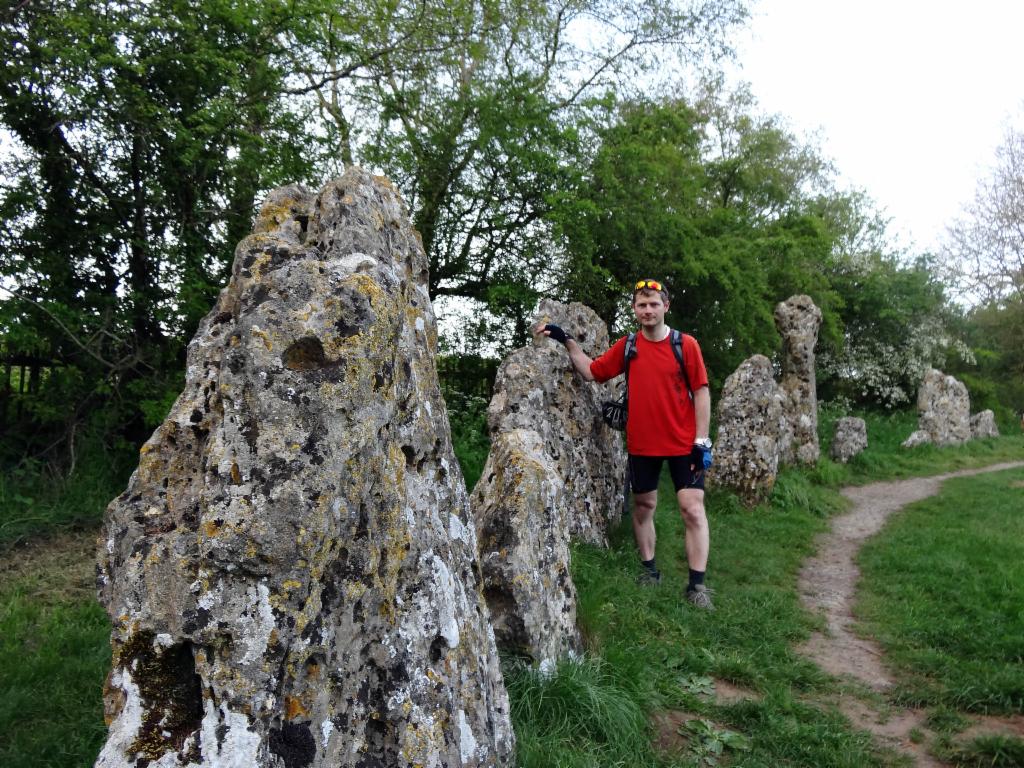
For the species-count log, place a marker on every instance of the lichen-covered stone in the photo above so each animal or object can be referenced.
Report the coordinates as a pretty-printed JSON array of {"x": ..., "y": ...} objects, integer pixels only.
[
  {"x": 520, "y": 503},
  {"x": 944, "y": 409},
  {"x": 750, "y": 424},
  {"x": 536, "y": 388},
  {"x": 917, "y": 437},
  {"x": 798, "y": 320},
  {"x": 850, "y": 439},
  {"x": 555, "y": 472},
  {"x": 291, "y": 572},
  {"x": 983, "y": 424}
]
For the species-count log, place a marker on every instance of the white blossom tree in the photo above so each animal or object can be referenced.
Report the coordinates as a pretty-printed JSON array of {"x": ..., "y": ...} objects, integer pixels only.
[{"x": 984, "y": 248}]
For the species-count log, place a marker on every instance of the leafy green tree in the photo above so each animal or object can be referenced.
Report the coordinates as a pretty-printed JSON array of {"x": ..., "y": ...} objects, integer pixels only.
[
  {"x": 477, "y": 110},
  {"x": 145, "y": 132},
  {"x": 718, "y": 203},
  {"x": 992, "y": 331}
]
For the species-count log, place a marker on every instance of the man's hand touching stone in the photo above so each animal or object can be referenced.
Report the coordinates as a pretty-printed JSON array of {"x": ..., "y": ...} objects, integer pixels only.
[{"x": 553, "y": 331}]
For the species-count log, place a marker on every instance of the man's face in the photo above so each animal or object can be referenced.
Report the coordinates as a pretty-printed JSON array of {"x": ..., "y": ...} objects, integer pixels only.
[{"x": 649, "y": 308}]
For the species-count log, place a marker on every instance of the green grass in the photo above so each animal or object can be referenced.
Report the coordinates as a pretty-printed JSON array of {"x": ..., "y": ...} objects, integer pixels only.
[
  {"x": 35, "y": 501},
  {"x": 54, "y": 656},
  {"x": 652, "y": 636},
  {"x": 943, "y": 592},
  {"x": 885, "y": 459},
  {"x": 585, "y": 714}
]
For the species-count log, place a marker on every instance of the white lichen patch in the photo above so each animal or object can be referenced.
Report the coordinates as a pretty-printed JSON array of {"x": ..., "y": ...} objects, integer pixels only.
[
  {"x": 237, "y": 747},
  {"x": 209, "y": 599},
  {"x": 467, "y": 741},
  {"x": 125, "y": 729},
  {"x": 256, "y": 624},
  {"x": 445, "y": 602},
  {"x": 457, "y": 529}
]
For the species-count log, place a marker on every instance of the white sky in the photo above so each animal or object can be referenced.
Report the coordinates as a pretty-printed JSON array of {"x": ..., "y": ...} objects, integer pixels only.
[{"x": 908, "y": 98}]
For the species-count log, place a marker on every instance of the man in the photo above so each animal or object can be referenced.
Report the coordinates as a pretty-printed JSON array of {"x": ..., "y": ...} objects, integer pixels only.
[{"x": 664, "y": 425}]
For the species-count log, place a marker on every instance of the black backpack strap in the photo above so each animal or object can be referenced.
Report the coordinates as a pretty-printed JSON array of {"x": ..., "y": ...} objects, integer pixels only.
[
  {"x": 677, "y": 347},
  {"x": 629, "y": 352}
]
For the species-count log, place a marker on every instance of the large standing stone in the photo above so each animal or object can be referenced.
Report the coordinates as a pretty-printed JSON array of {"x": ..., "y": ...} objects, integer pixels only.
[
  {"x": 850, "y": 439},
  {"x": 291, "y": 573},
  {"x": 536, "y": 388},
  {"x": 983, "y": 424},
  {"x": 944, "y": 409},
  {"x": 750, "y": 424},
  {"x": 555, "y": 472},
  {"x": 798, "y": 320}
]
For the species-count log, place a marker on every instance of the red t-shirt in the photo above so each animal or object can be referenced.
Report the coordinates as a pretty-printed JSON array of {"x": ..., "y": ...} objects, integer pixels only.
[{"x": 661, "y": 417}]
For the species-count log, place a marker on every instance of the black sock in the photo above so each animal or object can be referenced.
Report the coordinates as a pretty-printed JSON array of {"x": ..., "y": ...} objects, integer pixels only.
[
  {"x": 696, "y": 577},
  {"x": 650, "y": 566}
]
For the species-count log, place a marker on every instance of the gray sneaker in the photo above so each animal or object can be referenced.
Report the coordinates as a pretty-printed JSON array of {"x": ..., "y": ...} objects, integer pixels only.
[
  {"x": 648, "y": 578},
  {"x": 700, "y": 596}
]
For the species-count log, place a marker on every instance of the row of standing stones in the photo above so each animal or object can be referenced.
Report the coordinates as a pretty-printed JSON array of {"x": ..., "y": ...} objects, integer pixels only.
[
  {"x": 764, "y": 424},
  {"x": 296, "y": 575}
]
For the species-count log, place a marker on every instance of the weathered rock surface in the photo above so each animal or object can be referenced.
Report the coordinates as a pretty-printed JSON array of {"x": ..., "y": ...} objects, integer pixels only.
[
  {"x": 536, "y": 388},
  {"x": 850, "y": 439},
  {"x": 917, "y": 437},
  {"x": 983, "y": 424},
  {"x": 520, "y": 503},
  {"x": 750, "y": 424},
  {"x": 798, "y": 320},
  {"x": 944, "y": 409},
  {"x": 555, "y": 472},
  {"x": 291, "y": 572}
]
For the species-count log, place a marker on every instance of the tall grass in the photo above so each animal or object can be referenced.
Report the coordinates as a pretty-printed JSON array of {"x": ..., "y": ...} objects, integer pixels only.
[{"x": 583, "y": 714}]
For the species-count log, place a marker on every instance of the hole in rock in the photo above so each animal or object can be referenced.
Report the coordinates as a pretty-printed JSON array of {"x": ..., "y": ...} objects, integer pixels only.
[{"x": 306, "y": 354}]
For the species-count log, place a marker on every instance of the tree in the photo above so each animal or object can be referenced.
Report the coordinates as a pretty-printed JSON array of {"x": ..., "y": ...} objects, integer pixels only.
[
  {"x": 707, "y": 197},
  {"x": 475, "y": 109},
  {"x": 145, "y": 132},
  {"x": 983, "y": 255},
  {"x": 984, "y": 247}
]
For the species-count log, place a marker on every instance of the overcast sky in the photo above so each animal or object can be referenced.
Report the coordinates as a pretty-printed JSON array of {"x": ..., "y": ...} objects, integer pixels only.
[{"x": 909, "y": 98}]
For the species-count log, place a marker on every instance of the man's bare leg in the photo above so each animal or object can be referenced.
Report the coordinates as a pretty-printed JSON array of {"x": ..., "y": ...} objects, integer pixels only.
[
  {"x": 643, "y": 523},
  {"x": 698, "y": 538}
]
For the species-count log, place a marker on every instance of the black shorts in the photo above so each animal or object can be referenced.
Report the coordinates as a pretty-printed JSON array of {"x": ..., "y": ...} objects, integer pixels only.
[{"x": 644, "y": 472}]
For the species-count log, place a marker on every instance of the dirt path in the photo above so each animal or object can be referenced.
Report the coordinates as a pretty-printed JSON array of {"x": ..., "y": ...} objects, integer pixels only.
[{"x": 828, "y": 584}]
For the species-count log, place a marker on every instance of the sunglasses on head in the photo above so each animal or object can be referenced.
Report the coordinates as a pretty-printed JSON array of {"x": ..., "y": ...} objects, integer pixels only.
[{"x": 653, "y": 284}]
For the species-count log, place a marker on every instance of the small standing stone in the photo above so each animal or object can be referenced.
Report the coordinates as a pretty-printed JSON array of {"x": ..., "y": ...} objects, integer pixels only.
[
  {"x": 750, "y": 423},
  {"x": 851, "y": 438},
  {"x": 798, "y": 320},
  {"x": 983, "y": 424},
  {"x": 944, "y": 410}
]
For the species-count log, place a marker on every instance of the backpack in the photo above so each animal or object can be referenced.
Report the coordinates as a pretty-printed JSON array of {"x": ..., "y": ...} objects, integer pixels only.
[{"x": 616, "y": 412}]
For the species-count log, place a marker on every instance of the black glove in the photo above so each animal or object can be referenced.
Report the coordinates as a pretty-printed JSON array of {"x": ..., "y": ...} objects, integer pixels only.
[
  {"x": 700, "y": 458},
  {"x": 556, "y": 333}
]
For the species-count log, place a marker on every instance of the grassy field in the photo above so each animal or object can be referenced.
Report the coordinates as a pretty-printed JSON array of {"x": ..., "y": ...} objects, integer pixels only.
[
  {"x": 652, "y": 663},
  {"x": 54, "y": 655},
  {"x": 943, "y": 592}
]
